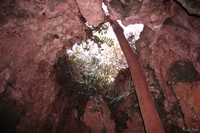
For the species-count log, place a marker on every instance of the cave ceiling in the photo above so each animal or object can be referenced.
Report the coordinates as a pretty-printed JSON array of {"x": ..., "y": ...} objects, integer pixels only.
[{"x": 35, "y": 34}]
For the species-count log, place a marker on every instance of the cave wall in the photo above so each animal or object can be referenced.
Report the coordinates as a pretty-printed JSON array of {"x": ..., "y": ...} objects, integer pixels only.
[
  {"x": 173, "y": 54},
  {"x": 34, "y": 33},
  {"x": 35, "y": 95},
  {"x": 168, "y": 51}
]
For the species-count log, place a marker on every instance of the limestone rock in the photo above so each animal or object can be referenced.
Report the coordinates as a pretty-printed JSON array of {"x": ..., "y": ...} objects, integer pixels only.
[
  {"x": 173, "y": 44},
  {"x": 192, "y": 6},
  {"x": 38, "y": 95},
  {"x": 91, "y": 11}
]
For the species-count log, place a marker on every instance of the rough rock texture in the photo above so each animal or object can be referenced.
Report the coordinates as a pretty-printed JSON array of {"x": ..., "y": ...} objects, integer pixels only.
[
  {"x": 191, "y": 6},
  {"x": 172, "y": 52},
  {"x": 168, "y": 50},
  {"x": 125, "y": 109},
  {"x": 38, "y": 92},
  {"x": 148, "y": 12},
  {"x": 98, "y": 112},
  {"x": 33, "y": 35},
  {"x": 91, "y": 11}
]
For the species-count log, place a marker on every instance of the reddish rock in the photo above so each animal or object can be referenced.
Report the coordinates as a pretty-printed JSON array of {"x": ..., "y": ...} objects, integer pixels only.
[
  {"x": 191, "y": 6},
  {"x": 91, "y": 11},
  {"x": 187, "y": 93},
  {"x": 28, "y": 51},
  {"x": 97, "y": 116},
  {"x": 35, "y": 33},
  {"x": 166, "y": 51},
  {"x": 125, "y": 108},
  {"x": 148, "y": 12}
]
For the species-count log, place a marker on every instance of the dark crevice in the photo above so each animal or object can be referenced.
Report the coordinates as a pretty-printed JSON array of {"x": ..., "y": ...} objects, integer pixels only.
[
  {"x": 82, "y": 18},
  {"x": 159, "y": 100},
  {"x": 189, "y": 14},
  {"x": 67, "y": 95}
]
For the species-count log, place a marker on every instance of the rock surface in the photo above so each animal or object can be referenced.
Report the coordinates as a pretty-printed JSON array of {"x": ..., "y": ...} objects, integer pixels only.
[
  {"x": 126, "y": 106},
  {"x": 33, "y": 35},
  {"x": 172, "y": 52},
  {"x": 38, "y": 91},
  {"x": 91, "y": 11},
  {"x": 97, "y": 116},
  {"x": 191, "y": 6}
]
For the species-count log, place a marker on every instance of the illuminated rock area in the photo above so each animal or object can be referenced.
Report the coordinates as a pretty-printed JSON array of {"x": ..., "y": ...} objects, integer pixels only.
[
  {"x": 172, "y": 53},
  {"x": 38, "y": 91}
]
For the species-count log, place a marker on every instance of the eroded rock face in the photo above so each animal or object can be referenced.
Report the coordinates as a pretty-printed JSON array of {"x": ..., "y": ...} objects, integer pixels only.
[
  {"x": 91, "y": 11},
  {"x": 37, "y": 90},
  {"x": 125, "y": 109},
  {"x": 191, "y": 6},
  {"x": 169, "y": 53},
  {"x": 148, "y": 12},
  {"x": 172, "y": 51},
  {"x": 97, "y": 116},
  {"x": 33, "y": 35}
]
